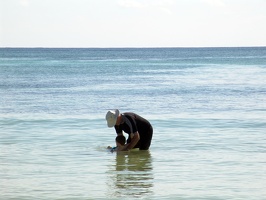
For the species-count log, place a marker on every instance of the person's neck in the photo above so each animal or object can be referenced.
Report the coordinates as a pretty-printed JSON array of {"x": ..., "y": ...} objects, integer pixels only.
[{"x": 119, "y": 120}]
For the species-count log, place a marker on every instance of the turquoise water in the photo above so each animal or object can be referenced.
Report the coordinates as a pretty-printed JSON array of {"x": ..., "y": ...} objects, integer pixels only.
[{"x": 207, "y": 107}]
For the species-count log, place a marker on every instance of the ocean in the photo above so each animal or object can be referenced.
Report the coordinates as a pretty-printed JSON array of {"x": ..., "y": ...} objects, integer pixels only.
[{"x": 207, "y": 107}]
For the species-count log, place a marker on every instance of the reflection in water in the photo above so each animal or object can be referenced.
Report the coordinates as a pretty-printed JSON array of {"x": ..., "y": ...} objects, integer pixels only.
[{"x": 131, "y": 175}]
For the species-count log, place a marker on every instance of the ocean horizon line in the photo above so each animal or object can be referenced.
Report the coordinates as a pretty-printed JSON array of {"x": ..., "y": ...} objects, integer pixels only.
[{"x": 207, "y": 47}]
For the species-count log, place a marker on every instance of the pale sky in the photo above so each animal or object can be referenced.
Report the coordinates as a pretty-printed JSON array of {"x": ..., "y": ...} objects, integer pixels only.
[{"x": 132, "y": 23}]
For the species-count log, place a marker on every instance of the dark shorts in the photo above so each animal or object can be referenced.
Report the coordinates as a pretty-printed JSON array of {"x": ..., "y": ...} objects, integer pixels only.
[{"x": 145, "y": 140}]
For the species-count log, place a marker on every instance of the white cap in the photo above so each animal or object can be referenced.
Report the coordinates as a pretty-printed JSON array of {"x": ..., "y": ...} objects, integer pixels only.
[{"x": 111, "y": 117}]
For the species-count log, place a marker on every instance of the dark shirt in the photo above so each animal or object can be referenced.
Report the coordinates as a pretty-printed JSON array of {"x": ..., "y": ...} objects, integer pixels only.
[{"x": 131, "y": 123}]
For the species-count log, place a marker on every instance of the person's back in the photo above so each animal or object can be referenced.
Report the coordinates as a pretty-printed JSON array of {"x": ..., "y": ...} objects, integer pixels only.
[{"x": 120, "y": 143}]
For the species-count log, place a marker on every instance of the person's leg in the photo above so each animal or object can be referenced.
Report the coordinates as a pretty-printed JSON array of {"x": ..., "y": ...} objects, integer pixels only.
[{"x": 146, "y": 141}]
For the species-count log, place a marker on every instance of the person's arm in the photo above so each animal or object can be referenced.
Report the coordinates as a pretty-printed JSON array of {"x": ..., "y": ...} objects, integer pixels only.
[{"x": 134, "y": 141}]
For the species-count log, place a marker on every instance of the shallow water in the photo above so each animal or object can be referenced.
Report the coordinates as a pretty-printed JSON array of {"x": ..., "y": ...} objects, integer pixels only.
[{"x": 207, "y": 107}]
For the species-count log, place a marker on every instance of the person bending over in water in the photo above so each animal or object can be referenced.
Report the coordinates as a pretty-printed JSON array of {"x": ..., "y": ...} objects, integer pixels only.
[{"x": 139, "y": 130}]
